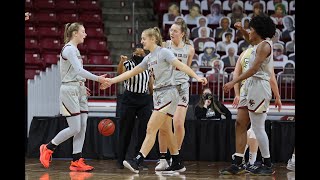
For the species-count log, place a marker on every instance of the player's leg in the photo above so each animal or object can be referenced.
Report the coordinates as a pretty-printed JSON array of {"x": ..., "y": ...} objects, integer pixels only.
[
  {"x": 259, "y": 97},
  {"x": 155, "y": 122},
  {"x": 241, "y": 126},
  {"x": 165, "y": 103},
  {"x": 253, "y": 146},
  {"x": 143, "y": 114},
  {"x": 78, "y": 163},
  {"x": 70, "y": 108}
]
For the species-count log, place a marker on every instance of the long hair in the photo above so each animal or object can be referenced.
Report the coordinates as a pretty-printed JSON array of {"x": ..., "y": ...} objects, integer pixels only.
[
  {"x": 184, "y": 29},
  {"x": 69, "y": 28},
  {"x": 154, "y": 32}
]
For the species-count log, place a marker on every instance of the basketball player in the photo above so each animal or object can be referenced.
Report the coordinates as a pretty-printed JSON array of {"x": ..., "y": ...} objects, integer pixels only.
[
  {"x": 246, "y": 138},
  {"x": 160, "y": 62},
  {"x": 257, "y": 87},
  {"x": 181, "y": 48},
  {"x": 136, "y": 103},
  {"x": 73, "y": 99}
]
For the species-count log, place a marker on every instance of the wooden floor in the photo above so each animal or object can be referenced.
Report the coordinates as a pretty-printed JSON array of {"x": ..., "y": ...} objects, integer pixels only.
[{"x": 107, "y": 169}]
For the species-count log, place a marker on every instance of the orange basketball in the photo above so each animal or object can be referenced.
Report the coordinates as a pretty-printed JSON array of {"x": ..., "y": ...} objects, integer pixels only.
[{"x": 106, "y": 127}]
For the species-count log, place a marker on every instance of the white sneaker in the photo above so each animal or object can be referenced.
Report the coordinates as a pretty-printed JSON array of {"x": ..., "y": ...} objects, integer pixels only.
[
  {"x": 162, "y": 165},
  {"x": 291, "y": 165}
]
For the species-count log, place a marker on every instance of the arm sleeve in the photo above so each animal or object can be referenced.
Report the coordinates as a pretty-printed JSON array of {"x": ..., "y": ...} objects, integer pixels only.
[
  {"x": 200, "y": 112},
  {"x": 70, "y": 54}
]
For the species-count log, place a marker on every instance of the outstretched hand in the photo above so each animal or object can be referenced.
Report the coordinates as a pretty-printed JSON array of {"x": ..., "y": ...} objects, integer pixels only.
[{"x": 106, "y": 84}]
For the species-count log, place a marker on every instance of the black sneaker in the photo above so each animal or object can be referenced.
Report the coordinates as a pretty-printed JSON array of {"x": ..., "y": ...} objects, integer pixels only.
[
  {"x": 131, "y": 165},
  {"x": 261, "y": 170},
  {"x": 175, "y": 167},
  {"x": 233, "y": 170}
]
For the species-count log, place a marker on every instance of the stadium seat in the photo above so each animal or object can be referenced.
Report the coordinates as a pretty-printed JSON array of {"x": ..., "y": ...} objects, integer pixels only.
[
  {"x": 32, "y": 45},
  {"x": 47, "y": 18},
  {"x": 44, "y": 4},
  {"x": 50, "y": 44},
  {"x": 49, "y": 31},
  {"x": 63, "y": 5},
  {"x": 50, "y": 58},
  {"x": 67, "y": 17},
  {"x": 33, "y": 61},
  {"x": 29, "y": 6},
  {"x": 89, "y": 5},
  {"x": 30, "y": 31},
  {"x": 91, "y": 19},
  {"x": 95, "y": 32},
  {"x": 96, "y": 46}
]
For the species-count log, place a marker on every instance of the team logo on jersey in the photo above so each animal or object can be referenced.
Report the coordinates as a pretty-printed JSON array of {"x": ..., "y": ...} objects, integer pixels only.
[
  {"x": 251, "y": 102},
  {"x": 184, "y": 99}
]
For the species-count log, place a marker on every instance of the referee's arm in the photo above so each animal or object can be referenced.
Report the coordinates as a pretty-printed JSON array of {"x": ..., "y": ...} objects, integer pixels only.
[{"x": 121, "y": 69}]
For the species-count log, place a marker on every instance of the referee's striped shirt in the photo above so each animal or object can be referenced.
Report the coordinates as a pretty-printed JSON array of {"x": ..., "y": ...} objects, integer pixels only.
[{"x": 137, "y": 83}]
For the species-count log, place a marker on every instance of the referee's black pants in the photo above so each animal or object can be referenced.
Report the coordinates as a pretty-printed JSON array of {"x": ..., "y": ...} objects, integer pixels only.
[{"x": 133, "y": 104}]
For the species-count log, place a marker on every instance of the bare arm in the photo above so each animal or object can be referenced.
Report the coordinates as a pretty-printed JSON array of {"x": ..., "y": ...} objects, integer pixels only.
[
  {"x": 121, "y": 69},
  {"x": 243, "y": 31},
  {"x": 190, "y": 56},
  {"x": 237, "y": 71},
  {"x": 185, "y": 68},
  {"x": 126, "y": 75},
  {"x": 275, "y": 90}
]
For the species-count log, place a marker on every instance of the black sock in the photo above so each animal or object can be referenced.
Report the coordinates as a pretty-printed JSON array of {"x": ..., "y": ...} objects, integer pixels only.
[
  {"x": 267, "y": 162},
  {"x": 175, "y": 158},
  {"x": 237, "y": 160},
  {"x": 139, "y": 158},
  {"x": 163, "y": 155},
  {"x": 77, "y": 156},
  {"x": 51, "y": 146}
]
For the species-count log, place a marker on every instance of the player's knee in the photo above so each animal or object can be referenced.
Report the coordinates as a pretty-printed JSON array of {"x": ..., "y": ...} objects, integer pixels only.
[
  {"x": 179, "y": 127},
  {"x": 151, "y": 130},
  {"x": 241, "y": 125}
]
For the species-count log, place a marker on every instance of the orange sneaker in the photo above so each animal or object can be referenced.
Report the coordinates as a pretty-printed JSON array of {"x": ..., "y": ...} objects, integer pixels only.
[
  {"x": 45, "y": 155},
  {"x": 80, "y": 175},
  {"x": 79, "y": 165}
]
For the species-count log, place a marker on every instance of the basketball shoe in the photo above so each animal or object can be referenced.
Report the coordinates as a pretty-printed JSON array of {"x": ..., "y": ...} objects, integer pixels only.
[
  {"x": 261, "y": 170},
  {"x": 162, "y": 165},
  {"x": 291, "y": 165},
  {"x": 175, "y": 167},
  {"x": 234, "y": 170},
  {"x": 79, "y": 165},
  {"x": 45, "y": 155},
  {"x": 132, "y": 165}
]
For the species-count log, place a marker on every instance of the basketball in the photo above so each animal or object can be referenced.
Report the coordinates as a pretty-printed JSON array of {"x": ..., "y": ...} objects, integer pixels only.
[{"x": 106, "y": 127}]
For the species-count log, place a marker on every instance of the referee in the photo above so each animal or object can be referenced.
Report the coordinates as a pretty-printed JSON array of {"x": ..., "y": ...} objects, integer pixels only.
[{"x": 136, "y": 102}]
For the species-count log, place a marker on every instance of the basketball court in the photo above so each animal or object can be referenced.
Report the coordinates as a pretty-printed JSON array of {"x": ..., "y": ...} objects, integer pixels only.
[{"x": 107, "y": 169}]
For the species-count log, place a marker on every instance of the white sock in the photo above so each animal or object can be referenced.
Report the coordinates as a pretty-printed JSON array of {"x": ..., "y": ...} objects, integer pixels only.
[
  {"x": 252, "y": 158},
  {"x": 293, "y": 159}
]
